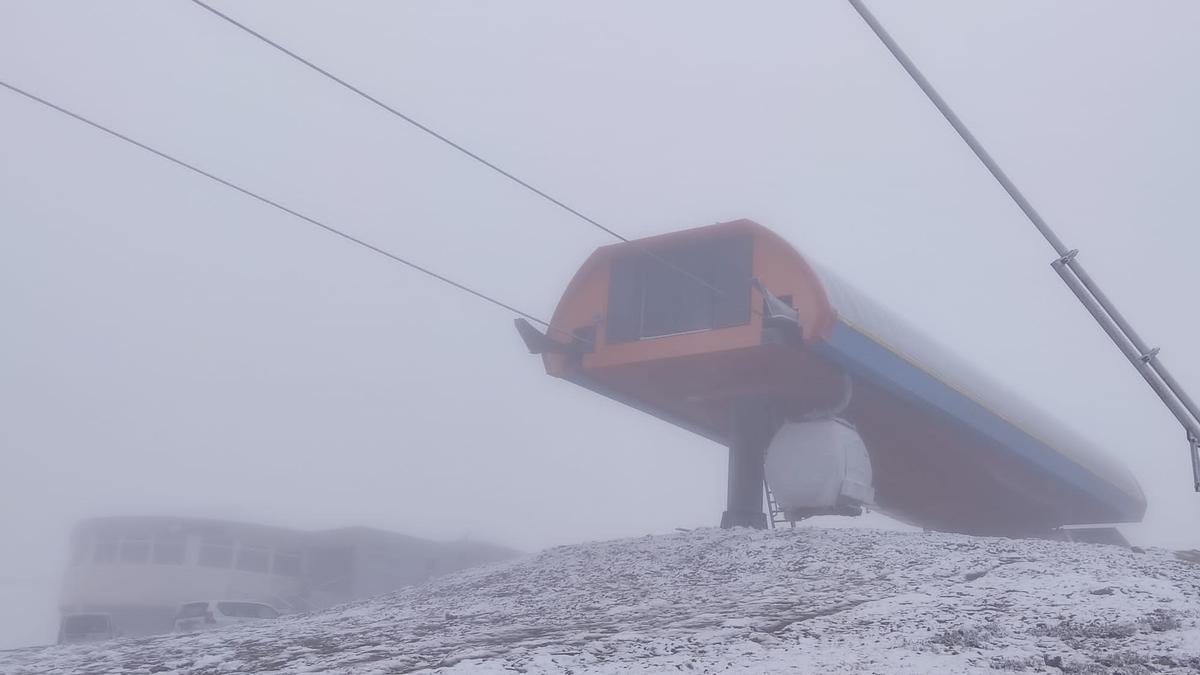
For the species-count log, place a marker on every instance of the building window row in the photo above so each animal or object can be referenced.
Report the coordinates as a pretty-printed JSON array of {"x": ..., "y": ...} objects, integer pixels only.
[
  {"x": 139, "y": 551},
  {"x": 212, "y": 552}
]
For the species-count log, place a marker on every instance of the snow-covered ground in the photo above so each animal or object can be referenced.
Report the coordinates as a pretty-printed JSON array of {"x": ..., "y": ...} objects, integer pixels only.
[{"x": 803, "y": 600}]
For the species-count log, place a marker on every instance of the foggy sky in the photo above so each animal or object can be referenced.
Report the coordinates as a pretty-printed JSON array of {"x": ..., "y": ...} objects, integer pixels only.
[{"x": 170, "y": 346}]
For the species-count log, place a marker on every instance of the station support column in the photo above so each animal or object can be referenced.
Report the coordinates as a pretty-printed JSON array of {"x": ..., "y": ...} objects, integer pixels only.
[{"x": 751, "y": 428}]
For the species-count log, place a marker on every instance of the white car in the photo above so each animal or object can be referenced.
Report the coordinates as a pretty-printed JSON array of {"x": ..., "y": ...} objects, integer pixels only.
[{"x": 205, "y": 615}]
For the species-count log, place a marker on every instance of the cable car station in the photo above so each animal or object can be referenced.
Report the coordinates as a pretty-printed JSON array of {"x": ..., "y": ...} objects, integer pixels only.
[{"x": 829, "y": 400}]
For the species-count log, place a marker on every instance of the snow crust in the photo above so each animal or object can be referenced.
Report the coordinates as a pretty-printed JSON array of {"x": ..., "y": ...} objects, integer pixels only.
[{"x": 806, "y": 600}]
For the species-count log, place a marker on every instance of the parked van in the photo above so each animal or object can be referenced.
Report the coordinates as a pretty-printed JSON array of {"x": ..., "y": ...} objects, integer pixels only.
[
  {"x": 205, "y": 615},
  {"x": 88, "y": 627}
]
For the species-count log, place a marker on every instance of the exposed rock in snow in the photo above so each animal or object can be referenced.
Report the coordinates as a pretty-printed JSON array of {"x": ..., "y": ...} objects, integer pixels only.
[{"x": 803, "y": 600}]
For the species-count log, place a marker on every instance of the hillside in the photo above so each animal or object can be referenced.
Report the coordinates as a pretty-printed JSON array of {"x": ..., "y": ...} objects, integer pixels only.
[{"x": 803, "y": 600}]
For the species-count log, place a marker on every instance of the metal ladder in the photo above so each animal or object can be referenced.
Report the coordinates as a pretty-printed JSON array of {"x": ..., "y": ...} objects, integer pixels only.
[{"x": 777, "y": 516}]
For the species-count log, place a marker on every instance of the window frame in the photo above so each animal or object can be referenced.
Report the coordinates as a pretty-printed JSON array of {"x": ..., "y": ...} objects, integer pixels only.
[
  {"x": 246, "y": 553},
  {"x": 210, "y": 544},
  {"x": 174, "y": 542},
  {"x": 705, "y": 285},
  {"x": 128, "y": 544}
]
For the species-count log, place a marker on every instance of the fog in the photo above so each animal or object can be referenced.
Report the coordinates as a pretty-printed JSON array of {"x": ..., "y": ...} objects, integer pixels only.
[{"x": 169, "y": 346}]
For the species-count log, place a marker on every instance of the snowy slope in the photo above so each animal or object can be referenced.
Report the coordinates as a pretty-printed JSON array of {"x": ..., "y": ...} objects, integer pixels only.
[{"x": 804, "y": 600}]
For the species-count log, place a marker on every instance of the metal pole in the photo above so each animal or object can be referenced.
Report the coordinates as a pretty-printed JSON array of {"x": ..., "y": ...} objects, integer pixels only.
[
  {"x": 751, "y": 426},
  {"x": 1143, "y": 358},
  {"x": 961, "y": 128},
  {"x": 1143, "y": 367},
  {"x": 1145, "y": 353},
  {"x": 1126, "y": 346}
]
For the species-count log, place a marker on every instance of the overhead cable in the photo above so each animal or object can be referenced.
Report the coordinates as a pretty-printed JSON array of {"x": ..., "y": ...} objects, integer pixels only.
[
  {"x": 459, "y": 147},
  {"x": 286, "y": 209}
]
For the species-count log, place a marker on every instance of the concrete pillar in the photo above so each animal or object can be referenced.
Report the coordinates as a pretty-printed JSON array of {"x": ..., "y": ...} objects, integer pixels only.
[{"x": 750, "y": 431}]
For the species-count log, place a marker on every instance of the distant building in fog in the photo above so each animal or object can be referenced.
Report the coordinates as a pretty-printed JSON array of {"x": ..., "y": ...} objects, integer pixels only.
[{"x": 141, "y": 569}]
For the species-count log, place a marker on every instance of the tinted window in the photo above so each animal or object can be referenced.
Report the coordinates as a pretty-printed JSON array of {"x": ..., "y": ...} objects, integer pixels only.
[
  {"x": 247, "y": 610},
  {"x": 192, "y": 610},
  {"x": 216, "y": 553},
  {"x": 135, "y": 551},
  {"x": 251, "y": 559},
  {"x": 696, "y": 286},
  {"x": 287, "y": 563},
  {"x": 673, "y": 301},
  {"x": 170, "y": 550}
]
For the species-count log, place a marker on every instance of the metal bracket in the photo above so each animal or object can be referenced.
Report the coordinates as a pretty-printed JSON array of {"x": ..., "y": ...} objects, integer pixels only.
[
  {"x": 1066, "y": 259},
  {"x": 778, "y": 312},
  {"x": 1149, "y": 356},
  {"x": 1194, "y": 444},
  {"x": 537, "y": 342}
]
